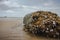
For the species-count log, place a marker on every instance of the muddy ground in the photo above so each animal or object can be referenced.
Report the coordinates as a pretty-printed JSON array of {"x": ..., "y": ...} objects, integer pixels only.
[{"x": 12, "y": 29}]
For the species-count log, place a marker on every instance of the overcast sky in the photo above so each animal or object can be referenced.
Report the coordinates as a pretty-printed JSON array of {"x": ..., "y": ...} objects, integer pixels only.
[{"x": 19, "y": 8}]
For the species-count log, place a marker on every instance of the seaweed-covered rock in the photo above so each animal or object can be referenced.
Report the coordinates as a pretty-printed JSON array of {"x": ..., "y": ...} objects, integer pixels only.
[{"x": 42, "y": 23}]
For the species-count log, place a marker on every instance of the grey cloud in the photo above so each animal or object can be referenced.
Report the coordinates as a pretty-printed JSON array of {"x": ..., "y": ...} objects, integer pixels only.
[
  {"x": 3, "y": 0},
  {"x": 27, "y": 6},
  {"x": 3, "y": 7}
]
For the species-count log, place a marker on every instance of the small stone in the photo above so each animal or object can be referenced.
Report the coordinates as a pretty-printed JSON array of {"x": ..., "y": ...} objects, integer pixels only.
[
  {"x": 47, "y": 31},
  {"x": 54, "y": 36},
  {"x": 47, "y": 28},
  {"x": 51, "y": 30},
  {"x": 57, "y": 33},
  {"x": 45, "y": 16}
]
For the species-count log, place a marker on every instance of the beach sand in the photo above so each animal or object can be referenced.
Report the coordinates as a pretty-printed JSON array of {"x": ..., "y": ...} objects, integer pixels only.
[{"x": 12, "y": 29}]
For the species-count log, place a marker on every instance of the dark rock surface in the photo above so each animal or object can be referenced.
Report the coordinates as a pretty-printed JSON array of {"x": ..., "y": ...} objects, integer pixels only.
[{"x": 43, "y": 23}]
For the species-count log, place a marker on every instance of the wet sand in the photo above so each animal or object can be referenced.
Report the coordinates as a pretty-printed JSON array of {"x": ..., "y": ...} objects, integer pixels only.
[{"x": 12, "y": 29}]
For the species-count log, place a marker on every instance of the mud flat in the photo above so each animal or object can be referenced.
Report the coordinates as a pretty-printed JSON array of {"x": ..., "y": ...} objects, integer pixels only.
[{"x": 12, "y": 29}]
